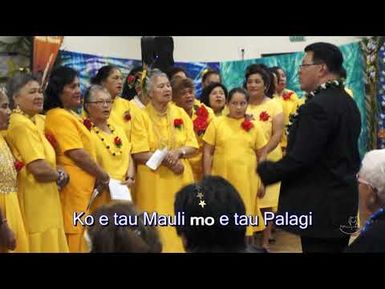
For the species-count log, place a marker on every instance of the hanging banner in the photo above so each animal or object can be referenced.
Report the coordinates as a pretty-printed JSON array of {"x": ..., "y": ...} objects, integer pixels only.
[{"x": 45, "y": 50}]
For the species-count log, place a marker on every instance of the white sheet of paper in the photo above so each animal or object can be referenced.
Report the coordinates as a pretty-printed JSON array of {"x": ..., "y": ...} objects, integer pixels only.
[
  {"x": 118, "y": 191},
  {"x": 156, "y": 159},
  {"x": 95, "y": 193}
]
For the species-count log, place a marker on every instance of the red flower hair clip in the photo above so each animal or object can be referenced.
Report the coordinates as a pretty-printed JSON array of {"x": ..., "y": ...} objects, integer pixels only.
[
  {"x": 131, "y": 79},
  {"x": 264, "y": 116},
  {"x": 178, "y": 122}
]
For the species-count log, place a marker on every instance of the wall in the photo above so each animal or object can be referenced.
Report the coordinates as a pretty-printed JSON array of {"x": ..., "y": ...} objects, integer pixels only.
[{"x": 198, "y": 48}]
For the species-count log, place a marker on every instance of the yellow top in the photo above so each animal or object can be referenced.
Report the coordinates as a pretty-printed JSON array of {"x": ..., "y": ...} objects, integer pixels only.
[
  {"x": 235, "y": 158},
  {"x": 70, "y": 133},
  {"x": 39, "y": 201},
  {"x": 155, "y": 190},
  {"x": 290, "y": 103},
  {"x": 122, "y": 114}
]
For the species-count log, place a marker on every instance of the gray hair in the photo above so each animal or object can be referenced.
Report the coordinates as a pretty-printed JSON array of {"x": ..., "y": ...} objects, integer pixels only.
[
  {"x": 92, "y": 90},
  {"x": 16, "y": 83},
  {"x": 373, "y": 171},
  {"x": 154, "y": 73}
]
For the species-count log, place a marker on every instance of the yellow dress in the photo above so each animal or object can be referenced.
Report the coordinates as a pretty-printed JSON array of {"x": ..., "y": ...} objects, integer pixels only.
[
  {"x": 264, "y": 114},
  {"x": 196, "y": 160},
  {"x": 290, "y": 103},
  {"x": 123, "y": 112},
  {"x": 70, "y": 133},
  {"x": 235, "y": 160},
  {"x": 9, "y": 202},
  {"x": 39, "y": 202},
  {"x": 115, "y": 161},
  {"x": 156, "y": 189}
]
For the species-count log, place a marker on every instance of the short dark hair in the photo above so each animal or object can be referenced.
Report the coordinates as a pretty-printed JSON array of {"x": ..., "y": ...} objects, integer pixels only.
[
  {"x": 238, "y": 90},
  {"x": 205, "y": 96},
  {"x": 130, "y": 92},
  {"x": 208, "y": 73},
  {"x": 174, "y": 70},
  {"x": 103, "y": 73},
  {"x": 266, "y": 75},
  {"x": 329, "y": 54},
  {"x": 59, "y": 77},
  {"x": 122, "y": 239},
  {"x": 17, "y": 82},
  {"x": 221, "y": 199},
  {"x": 179, "y": 84}
]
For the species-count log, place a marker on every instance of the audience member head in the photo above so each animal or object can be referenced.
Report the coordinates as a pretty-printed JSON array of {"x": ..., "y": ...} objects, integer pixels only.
[
  {"x": 212, "y": 197},
  {"x": 121, "y": 239}
]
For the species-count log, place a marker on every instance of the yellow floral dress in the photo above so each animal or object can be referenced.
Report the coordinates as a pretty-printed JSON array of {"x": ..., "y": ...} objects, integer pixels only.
[
  {"x": 156, "y": 189},
  {"x": 39, "y": 202},
  {"x": 70, "y": 133},
  {"x": 235, "y": 160},
  {"x": 114, "y": 159},
  {"x": 9, "y": 202},
  {"x": 264, "y": 114}
]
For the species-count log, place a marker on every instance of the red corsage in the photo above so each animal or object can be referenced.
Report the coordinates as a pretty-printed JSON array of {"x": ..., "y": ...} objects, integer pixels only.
[
  {"x": 51, "y": 140},
  {"x": 287, "y": 95},
  {"x": 127, "y": 116},
  {"x": 87, "y": 123},
  {"x": 178, "y": 122},
  {"x": 19, "y": 165},
  {"x": 131, "y": 81},
  {"x": 118, "y": 142},
  {"x": 247, "y": 124},
  {"x": 200, "y": 123},
  {"x": 264, "y": 116}
]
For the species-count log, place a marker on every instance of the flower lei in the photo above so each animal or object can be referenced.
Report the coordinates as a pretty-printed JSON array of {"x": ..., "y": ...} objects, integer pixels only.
[
  {"x": 247, "y": 123},
  {"x": 178, "y": 123},
  {"x": 88, "y": 123},
  {"x": 200, "y": 123},
  {"x": 117, "y": 140},
  {"x": 325, "y": 86}
]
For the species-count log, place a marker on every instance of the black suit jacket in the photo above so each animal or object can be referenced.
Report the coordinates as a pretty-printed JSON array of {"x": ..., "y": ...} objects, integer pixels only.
[{"x": 318, "y": 170}]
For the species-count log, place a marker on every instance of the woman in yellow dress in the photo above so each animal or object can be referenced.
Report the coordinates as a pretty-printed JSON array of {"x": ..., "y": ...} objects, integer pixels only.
[
  {"x": 75, "y": 150},
  {"x": 268, "y": 112},
  {"x": 288, "y": 99},
  {"x": 214, "y": 96},
  {"x": 13, "y": 237},
  {"x": 166, "y": 126},
  {"x": 113, "y": 151},
  {"x": 38, "y": 178},
  {"x": 123, "y": 111},
  {"x": 183, "y": 95},
  {"x": 234, "y": 144}
]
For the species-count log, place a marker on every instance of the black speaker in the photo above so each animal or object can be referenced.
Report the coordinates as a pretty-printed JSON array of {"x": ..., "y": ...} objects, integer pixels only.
[{"x": 157, "y": 51}]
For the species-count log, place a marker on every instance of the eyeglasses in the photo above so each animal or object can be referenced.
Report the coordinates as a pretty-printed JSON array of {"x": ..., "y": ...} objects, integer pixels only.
[
  {"x": 101, "y": 102},
  {"x": 362, "y": 181},
  {"x": 308, "y": 64}
]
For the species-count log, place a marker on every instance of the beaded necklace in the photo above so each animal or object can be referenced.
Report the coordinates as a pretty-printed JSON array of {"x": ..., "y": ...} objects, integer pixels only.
[
  {"x": 372, "y": 219},
  {"x": 116, "y": 139}
]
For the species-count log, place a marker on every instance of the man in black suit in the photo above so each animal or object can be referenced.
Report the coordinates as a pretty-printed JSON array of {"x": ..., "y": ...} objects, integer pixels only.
[{"x": 317, "y": 173}]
